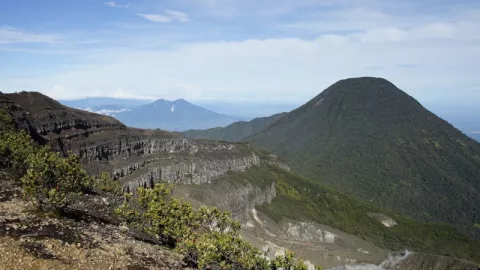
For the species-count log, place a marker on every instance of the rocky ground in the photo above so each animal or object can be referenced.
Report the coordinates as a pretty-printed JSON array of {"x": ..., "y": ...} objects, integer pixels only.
[{"x": 30, "y": 239}]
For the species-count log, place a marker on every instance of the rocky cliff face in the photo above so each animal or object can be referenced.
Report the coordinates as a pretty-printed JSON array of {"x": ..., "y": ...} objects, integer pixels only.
[
  {"x": 189, "y": 171},
  {"x": 136, "y": 157},
  {"x": 242, "y": 200},
  {"x": 229, "y": 193},
  {"x": 19, "y": 118}
]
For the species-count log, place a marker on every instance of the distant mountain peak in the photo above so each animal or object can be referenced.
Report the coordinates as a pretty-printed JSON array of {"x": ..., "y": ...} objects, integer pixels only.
[
  {"x": 364, "y": 85},
  {"x": 175, "y": 115},
  {"x": 365, "y": 78},
  {"x": 161, "y": 101}
]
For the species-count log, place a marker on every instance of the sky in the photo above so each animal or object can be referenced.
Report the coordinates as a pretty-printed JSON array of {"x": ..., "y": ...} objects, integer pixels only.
[{"x": 239, "y": 51}]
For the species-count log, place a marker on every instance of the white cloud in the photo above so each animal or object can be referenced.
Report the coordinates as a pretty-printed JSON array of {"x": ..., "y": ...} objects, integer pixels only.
[
  {"x": 249, "y": 8},
  {"x": 169, "y": 16},
  {"x": 89, "y": 41},
  {"x": 156, "y": 18},
  {"x": 291, "y": 68},
  {"x": 179, "y": 16},
  {"x": 114, "y": 4},
  {"x": 10, "y": 34},
  {"x": 429, "y": 56}
]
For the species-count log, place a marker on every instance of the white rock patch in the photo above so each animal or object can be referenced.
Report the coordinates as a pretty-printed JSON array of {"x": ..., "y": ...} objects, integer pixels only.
[
  {"x": 257, "y": 219},
  {"x": 250, "y": 224},
  {"x": 309, "y": 232},
  {"x": 384, "y": 219},
  {"x": 363, "y": 250}
]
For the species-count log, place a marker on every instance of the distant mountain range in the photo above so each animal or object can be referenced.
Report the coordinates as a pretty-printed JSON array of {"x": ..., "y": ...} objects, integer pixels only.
[
  {"x": 367, "y": 138},
  {"x": 464, "y": 120},
  {"x": 105, "y": 105},
  {"x": 178, "y": 115}
]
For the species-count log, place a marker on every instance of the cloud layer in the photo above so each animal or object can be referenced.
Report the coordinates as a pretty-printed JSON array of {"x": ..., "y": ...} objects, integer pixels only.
[
  {"x": 114, "y": 4},
  {"x": 10, "y": 34},
  {"x": 168, "y": 16},
  {"x": 270, "y": 51}
]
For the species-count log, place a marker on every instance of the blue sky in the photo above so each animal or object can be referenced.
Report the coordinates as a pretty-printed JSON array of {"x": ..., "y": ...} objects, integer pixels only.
[{"x": 254, "y": 51}]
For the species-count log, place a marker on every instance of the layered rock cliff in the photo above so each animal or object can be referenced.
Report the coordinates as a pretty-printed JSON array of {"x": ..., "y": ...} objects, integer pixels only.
[
  {"x": 231, "y": 193},
  {"x": 135, "y": 157},
  {"x": 188, "y": 170}
]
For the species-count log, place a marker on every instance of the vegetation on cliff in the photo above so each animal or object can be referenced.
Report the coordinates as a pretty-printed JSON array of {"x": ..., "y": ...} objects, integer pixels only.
[
  {"x": 206, "y": 236},
  {"x": 47, "y": 178},
  {"x": 300, "y": 198}
]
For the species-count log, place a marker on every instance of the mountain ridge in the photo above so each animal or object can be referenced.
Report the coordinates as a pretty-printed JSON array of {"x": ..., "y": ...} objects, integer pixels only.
[
  {"x": 367, "y": 138},
  {"x": 177, "y": 115},
  {"x": 236, "y": 131}
]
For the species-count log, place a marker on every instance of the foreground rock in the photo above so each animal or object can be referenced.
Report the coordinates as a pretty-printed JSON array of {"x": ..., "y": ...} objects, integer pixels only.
[{"x": 33, "y": 240}]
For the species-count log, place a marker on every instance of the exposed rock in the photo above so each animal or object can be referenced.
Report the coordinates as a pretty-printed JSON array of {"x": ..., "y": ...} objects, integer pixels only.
[
  {"x": 385, "y": 220},
  {"x": 133, "y": 156},
  {"x": 193, "y": 171},
  {"x": 304, "y": 231},
  {"x": 32, "y": 240},
  {"x": 239, "y": 198},
  {"x": 240, "y": 201}
]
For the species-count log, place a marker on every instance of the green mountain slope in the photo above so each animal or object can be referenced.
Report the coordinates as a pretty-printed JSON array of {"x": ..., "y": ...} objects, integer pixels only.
[
  {"x": 236, "y": 131},
  {"x": 302, "y": 199},
  {"x": 366, "y": 137}
]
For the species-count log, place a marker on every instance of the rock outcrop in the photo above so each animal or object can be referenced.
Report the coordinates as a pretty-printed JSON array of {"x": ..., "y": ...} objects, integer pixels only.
[
  {"x": 92, "y": 239},
  {"x": 189, "y": 171},
  {"x": 135, "y": 157},
  {"x": 242, "y": 200},
  {"x": 236, "y": 196}
]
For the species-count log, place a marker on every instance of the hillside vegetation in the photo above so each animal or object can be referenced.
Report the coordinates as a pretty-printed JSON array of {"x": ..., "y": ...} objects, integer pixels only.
[
  {"x": 367, "y": 138},
  {"x": 300, "y": 198}
]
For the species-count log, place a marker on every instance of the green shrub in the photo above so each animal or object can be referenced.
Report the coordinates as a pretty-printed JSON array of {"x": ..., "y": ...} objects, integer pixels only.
[
  {"x": 49, "y": 179},
  {"x": 15, "y": 148},
  {"x": 53, "y": 180},
  {"x": 288, "y": 262},
  {"x": 105, "y": 183},
  {"x": 6, "y": 121},
  {"x": 206, "y": 237}
]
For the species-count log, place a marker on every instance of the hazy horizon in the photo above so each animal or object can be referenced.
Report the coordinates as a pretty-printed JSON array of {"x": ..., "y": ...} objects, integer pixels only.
[{"x": 239, "y": 52}]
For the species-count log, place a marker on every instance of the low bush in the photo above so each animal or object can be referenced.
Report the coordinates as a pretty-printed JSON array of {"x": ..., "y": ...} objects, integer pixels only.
[
  {"x": 107, "y": 184},
  {"x": 54, "y": 181},
  {"x": 47, "y": 178},
  {"x": 206, "y": 237},
  {"x": 6, "y": 121}
]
